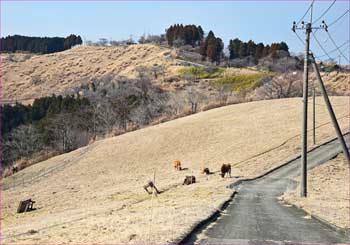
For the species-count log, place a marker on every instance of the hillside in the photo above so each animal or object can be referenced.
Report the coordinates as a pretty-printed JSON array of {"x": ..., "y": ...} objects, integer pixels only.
[
  {"x": 59, "y": 72},
  {"x": 95, "y": 194},
  {"x": 323, "y": 200},
  {"x": 29, "y": 76}
]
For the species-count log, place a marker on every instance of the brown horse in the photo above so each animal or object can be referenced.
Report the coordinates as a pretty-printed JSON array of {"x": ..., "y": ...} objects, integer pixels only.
[
  {"x": 225, "y": 169},
  {"x": 206, "y": 171},
  {"x": 177, "y": 165}
]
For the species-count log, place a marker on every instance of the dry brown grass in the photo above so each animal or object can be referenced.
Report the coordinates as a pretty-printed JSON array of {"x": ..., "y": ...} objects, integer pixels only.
[
  {"x": 97, "y": 195},
  {"x": 62, "y": 71},
  {"x": 75, "y": 66},
  {"x": 328, "y": 193}
]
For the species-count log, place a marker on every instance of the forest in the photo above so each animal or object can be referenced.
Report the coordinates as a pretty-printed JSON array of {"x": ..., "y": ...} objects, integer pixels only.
[
  {"x": 211, "y": 47},
  {"x": 42, "y": 45}
]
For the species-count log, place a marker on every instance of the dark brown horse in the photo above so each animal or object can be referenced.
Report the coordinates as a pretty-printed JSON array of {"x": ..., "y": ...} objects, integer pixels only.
[{"x": 225, "y": 169}]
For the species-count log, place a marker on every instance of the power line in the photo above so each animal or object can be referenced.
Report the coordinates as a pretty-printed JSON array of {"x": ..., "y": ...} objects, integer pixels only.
[
  {"x": 332, "y": 51},
  {"x": 319, "y": 44},
  {"x": 325, "y": 12},
  {"x": 340, "y": 52},
  {"x": 300, "y": 39},
  {"x": 306, "y": 12},
  {"x": 339, "y": 18}
]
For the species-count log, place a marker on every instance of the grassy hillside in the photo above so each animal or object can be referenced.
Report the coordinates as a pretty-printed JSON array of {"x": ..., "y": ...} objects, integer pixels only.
[
  {"x": 95, "y": 194},
  {"x": 28, "y": 76},
  {"x": 39, "y": 75}
]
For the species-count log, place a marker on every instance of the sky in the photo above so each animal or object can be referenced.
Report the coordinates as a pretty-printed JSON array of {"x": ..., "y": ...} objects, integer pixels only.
[{"x": 261, "y": 21}]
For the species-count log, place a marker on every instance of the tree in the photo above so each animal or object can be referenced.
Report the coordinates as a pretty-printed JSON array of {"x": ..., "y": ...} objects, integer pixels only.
[
  {"x": 211, "y": 48},
  {"x": 21, "y": 143},
  {"x": 188, "y": 34},
  {"x": 284, "y": 86},
  {"x": 219, "y": 48},
  {"x": 243, "y": 50},
  {"x": 193, "y": 98},
  {"x": 204, "y": 46},
  {"x": 38, "y": 44},
  {"x": 234, "y": 47},
  {"x": 259, "y": 51},
  {"x": 251, "y": 48}
]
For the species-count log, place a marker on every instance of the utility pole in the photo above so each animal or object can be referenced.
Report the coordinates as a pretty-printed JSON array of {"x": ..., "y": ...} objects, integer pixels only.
[
  {"x": 313, "y": 114},
  {"x": 308, "y": 29},
  {"x": 303, "y": 189},
  {"x": 330, "y": 111}
]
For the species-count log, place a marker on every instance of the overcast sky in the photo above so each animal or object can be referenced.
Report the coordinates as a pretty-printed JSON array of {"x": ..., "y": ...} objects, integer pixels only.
[{"x": 261, "y": 21}]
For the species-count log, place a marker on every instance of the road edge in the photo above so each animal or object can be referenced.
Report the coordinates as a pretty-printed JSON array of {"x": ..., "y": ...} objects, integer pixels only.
[
  {"x": 210, "y": 218},
  {"x": 334, "y": 227},
  {"x": 216, "y": 214}
]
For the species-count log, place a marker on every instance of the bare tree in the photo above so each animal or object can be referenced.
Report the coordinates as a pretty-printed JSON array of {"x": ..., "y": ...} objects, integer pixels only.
[
  {"x": 224, "y": 92},
  {"x": 284, "y": 86},
  {"x": 106, "y": 116},
  {"x": 142, "y": 72},
  {"x": 193, "y": 97},
  {"x": 157, "y": 70},
  {"x": 22, "y": 142}
]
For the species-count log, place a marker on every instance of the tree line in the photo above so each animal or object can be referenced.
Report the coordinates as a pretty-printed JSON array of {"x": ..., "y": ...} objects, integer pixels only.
[
  {"x": 211, "y": 47},
  {"x": 13, "y": 116},
  {"x": 57, "y": 124},
  {"x": 184, "y": 35},
  {"x": 43, "y": 45},
  {"x": 240, "y": 49},
  {"x": 29, "y": 129}
]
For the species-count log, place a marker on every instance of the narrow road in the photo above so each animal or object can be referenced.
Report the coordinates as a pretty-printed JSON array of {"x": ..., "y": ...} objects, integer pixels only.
[{"x": 256, "y": 217}]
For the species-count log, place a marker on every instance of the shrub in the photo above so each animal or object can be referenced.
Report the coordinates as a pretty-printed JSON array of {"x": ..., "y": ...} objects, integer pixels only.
[
  {"x": 202, "y": 72},
  {"x": 240, "y": 83}
]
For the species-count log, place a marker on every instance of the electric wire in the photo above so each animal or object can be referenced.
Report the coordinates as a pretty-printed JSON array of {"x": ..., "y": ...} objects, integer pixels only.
[
  {"x": 331, "y": 24},
  {"x": 319, "y": 44},
  {"x": 325, "y": 12},
  {"x": 332, "y": 51},
  {"x": 300, "y": 39},
  {"x": 306, "y": 12},
  {"x": 334, "y": 43}
]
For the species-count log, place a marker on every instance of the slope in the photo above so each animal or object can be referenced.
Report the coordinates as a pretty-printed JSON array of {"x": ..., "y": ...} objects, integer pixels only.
[{"x": 97, "y": 196}]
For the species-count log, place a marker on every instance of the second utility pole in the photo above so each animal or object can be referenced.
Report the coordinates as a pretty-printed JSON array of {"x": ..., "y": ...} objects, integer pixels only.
[{"x": 303, "y": 189}]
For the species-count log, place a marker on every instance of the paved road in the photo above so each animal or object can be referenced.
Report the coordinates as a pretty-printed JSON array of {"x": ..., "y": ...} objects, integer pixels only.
[{"x": 255, "y": 215}]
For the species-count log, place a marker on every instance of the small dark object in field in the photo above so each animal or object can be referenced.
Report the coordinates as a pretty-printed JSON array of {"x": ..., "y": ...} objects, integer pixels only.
[
  {"x": 32, "y": 231},
  {"x": 150, "y": 185},
  {"x": 206, "y": 171},
  {"x": 25, "y": 205},
  {"x": 225, "y": 169},
  {"x": 189, "y": 180}
]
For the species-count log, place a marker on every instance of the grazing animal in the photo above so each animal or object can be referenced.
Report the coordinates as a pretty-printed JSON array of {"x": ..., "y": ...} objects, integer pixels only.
[
  {"x": 206, "y": 171},
  {"x": 14, "y": 170},
  {"x": 189, "y": 180},
  {"x": 225, "y": 169},
  {"x": 177, "y": 165},
  {"x": 151, "y": 185}
]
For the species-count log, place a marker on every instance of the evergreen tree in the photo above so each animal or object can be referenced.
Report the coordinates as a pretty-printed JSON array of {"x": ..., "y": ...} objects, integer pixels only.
[
  {"x": 234, "y": 47},
  {"x": 42, "y": 45}
]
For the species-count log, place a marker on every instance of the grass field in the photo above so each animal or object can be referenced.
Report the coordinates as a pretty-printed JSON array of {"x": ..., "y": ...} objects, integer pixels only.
[{"x": 95, "y": 194}]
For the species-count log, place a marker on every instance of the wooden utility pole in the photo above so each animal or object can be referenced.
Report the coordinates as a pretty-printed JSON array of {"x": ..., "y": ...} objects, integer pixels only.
[
  {"x": 313, "y": 115},
  {"x": 330, "y": 111},
  {"x": 303, "y": 189}
]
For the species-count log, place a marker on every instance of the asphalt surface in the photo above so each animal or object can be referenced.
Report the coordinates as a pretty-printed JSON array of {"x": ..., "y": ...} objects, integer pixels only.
[{"x": 256, "y": 217}]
